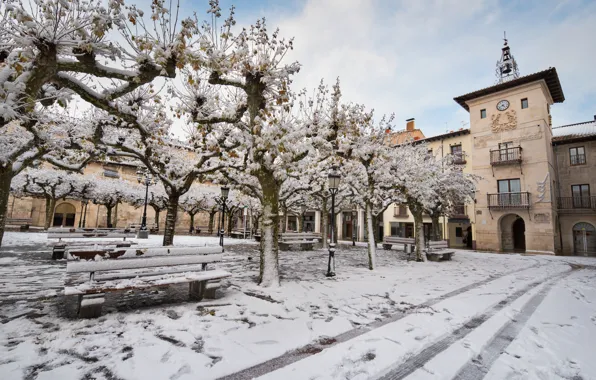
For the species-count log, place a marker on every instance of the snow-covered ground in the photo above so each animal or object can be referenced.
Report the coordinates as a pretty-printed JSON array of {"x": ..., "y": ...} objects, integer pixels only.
[{"x": 416, "y": 320}]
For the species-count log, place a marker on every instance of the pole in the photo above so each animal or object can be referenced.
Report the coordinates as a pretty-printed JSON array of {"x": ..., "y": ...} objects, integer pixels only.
[
  {"x": 354, "y": 229},
  {"x": 330, "y": 272},
  {"x": 81, "y": 214},
  {"x": 223, "y": 218},
  {"x": 144, "y": 220},
  {"x": 85, "y": 214},
  {"x": 244, "y": 217}
]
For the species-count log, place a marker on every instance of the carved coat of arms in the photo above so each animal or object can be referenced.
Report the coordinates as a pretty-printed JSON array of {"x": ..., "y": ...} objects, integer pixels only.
[{"x": 504, "y": 121}]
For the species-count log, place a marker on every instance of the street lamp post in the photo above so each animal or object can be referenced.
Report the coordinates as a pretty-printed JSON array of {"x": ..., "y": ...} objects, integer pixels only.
[
  {"x": 86, "y": 203},
  {"x": 354, "y": 215},
  {"x": 224, "y": 197},
  {"x": 333, "y": 179},
  {"x": 144, "y": 177}
]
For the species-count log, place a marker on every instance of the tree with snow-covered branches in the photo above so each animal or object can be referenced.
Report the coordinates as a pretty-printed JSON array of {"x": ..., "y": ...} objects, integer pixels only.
[
  {"x": 197, "y": 199},
  {"x": 50, "y": 136},
  {"x": 452, "y": 188},
  {"x": 51, "y": 185},
  {"x": 109, "y": 193}
]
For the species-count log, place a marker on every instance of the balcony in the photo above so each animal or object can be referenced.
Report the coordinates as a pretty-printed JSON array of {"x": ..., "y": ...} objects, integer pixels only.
[
  {"x": 577, "y": 203},
  {"x": 509, "y": 200},
  {"x": 506, "y": 156},
  {"x": 459, "y": 212},
  {"x": 459, "y": 158}
]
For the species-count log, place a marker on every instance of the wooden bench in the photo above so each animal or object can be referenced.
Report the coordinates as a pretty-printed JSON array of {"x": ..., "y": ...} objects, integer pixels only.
[
  {"x": 438, "y": 250},
  {"x": 238, "y": 234},
  {"x": 304, "y": 240},
  {"x": 87, "y": 233},
  {"x": 408, "y": 243},
  {"x": 22, "y": 223},
  {"x": 142, "y": 269}
]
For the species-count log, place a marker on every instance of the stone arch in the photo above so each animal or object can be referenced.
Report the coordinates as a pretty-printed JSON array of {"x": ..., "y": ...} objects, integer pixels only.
[
  {"x": 584, "y": 239},
  {"x": 512, "y": 233},
  {"x": 64, "y": 215}
]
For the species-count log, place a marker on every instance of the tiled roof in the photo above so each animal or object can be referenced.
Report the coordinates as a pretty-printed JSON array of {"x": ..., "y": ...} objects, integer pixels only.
[
  {"x": 574, "y": 131},
  {"x": 461, "y": 131},
  {"x": 397, "y": 138},
  {"x": 549, "y": 75}
]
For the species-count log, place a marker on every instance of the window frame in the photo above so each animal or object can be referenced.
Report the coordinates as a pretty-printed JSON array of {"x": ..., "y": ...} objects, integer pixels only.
[
  {"x": 483, "y": 113},
  {"x": 583, "y": 199},
  {"x": 527, "y": 104},
  {"x": 577, "y": 161},
  {"x": 504, "y": 153}
]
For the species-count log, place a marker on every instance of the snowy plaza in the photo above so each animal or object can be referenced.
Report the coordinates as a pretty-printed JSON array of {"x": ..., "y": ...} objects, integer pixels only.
[
  {"x": 297, "y": 190},
  {"x": 522, "y": 316}
]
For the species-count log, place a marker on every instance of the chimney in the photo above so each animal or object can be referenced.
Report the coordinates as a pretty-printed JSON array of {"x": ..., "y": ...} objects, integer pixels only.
[{"x": 410, "y": 124}]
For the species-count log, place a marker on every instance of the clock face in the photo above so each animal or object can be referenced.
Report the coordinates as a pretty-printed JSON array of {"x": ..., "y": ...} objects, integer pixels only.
[{"x": 503, "y": 105}]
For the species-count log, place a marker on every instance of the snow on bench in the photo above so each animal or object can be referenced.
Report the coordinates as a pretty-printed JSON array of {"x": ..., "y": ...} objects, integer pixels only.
[
  {"x": 437, "y": 250},
  {"x": 141, "y": 269},
  {"x": 408, "y": 243},
  {"x": 305, "y": 240}
]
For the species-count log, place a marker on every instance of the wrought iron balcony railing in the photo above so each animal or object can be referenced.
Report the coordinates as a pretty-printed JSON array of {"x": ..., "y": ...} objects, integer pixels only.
[
  {"x": 509, "y": 200},
  {"x": 459, "y": 158},
  {"x": 506, "y": 156},
  {"x": 577, "y": 202},
  {"x": 459, "y": 211}
]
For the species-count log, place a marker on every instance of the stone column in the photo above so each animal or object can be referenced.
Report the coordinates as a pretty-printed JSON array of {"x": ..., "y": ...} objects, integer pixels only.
[{"x": 317, "y": 222}]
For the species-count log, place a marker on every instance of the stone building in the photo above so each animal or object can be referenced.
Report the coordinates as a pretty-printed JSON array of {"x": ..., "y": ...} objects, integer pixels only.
[{"x": 71, "y": 213}]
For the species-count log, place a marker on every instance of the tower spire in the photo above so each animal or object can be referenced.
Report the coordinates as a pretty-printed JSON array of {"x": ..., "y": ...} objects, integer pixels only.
[{"x": 506, "y": 66}]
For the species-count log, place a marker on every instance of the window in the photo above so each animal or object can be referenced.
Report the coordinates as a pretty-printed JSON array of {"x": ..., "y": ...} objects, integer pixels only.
[
  {"x": 505, "y": 153},
  {"x": 581, "y": 196},
  {"x": 110, "y": 172},
  {"x": 577, "y": 155},
  {"x": 509, "y": 192},
  {"x": 400, "y": 210},
  {"x": 483, "y": 113},
  {"x": 456, "y": 150},
  {"x": 458, "y": 232},
  {"x": 524, "y": 103}
]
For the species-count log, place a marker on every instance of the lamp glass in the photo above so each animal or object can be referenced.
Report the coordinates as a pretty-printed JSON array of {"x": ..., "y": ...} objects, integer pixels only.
[
  {"x": 225, "y": 191},
  {"x": 333, "y": 180}
]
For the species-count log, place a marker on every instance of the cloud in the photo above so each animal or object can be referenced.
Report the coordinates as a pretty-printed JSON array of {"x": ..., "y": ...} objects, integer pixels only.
[{"x": 412, "y": 58}]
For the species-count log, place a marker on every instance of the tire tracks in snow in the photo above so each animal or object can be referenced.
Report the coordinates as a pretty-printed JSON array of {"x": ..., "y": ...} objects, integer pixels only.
[
  {"x": 481, "y": 364},
  {"x": 314, "y": 348},
  {"x": 418, "y": 361}
]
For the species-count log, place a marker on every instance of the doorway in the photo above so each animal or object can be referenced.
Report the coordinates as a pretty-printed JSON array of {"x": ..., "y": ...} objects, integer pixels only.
[
  {"x": 469, "y": 238},
  {"x": 64, "y": 215},
  {"x": 584, "y": 239},
  {"x": 519, "y": 234}
]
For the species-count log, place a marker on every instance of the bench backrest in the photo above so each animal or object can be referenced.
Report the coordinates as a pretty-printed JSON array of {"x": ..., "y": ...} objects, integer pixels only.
[
  {"x": 399, "y": 240},
  {"x": 18, "y": 220},
  {"x": 300, "y": 236},
  {"x": 438, "y": 244},
  {"x": 140, "y": 263}
]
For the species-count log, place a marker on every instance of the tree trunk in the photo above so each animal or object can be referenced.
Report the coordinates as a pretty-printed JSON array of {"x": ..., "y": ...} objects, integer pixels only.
[
  {"x": 300, "y": 222},
  {"x": 50, "y": 207},
  {"x": 109, "y": 216},
  {"x": 115, "y": 217},
  {"x": 372, "y": 245},
  {"x": 156, "y": 210},
  {"x": 419, "y": 228},
  {"x": 284, "y": 226},
  {"x": 5, "y": 179},
  {"x": 192, "y": 223},
  {"x": 269, "y": 268},
  {"x": 231, "y": 219},
  {"x": 435, "y": 232},
  {"x": 324, "y": 223},
  {"x": 211, "y": 221},
  {"x": 172, "y": 213}
]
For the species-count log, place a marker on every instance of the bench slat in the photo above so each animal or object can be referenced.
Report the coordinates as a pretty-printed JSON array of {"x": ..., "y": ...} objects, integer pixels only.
[
  {"x": 172, "y": 251},
  {"x": 147, "y": 282},
  {"x": 137, "y": 263}
]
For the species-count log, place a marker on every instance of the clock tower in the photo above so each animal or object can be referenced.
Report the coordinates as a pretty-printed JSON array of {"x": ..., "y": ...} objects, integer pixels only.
[{"x": 510, "y": 128}]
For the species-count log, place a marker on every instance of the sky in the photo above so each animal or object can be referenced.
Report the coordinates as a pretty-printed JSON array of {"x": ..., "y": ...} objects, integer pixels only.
[{"x": 411, "y": 58}]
